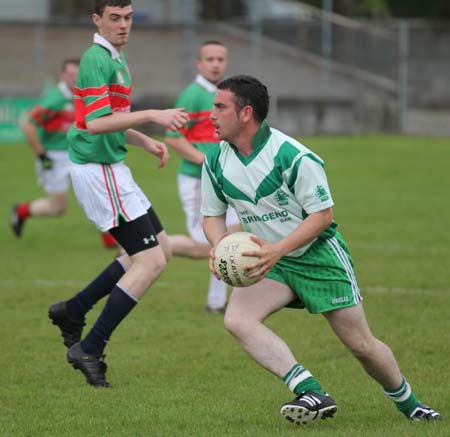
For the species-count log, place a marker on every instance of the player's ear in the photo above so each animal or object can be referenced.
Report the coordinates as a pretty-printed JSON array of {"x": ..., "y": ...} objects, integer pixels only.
[
  {"x": 96, "y": 19},
  {"x": 246, "y": 113}
]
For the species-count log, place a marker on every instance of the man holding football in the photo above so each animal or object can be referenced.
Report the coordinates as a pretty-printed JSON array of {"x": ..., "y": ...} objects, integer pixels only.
[{"x": 303, "y": 260}]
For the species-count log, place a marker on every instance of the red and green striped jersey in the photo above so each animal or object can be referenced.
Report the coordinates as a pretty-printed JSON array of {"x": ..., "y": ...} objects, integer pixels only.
[
  {"x": 197, "y": 99},
  {"x": 103, "y": 87},
  {"x": 54, "y": 115}
]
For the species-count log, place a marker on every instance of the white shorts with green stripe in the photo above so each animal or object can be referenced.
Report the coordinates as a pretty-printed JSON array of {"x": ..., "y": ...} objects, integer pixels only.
[
  {"x": 57, "y": 179},
  {"x": 322, "y": 278},
  {"x": 108, "y": 193}
]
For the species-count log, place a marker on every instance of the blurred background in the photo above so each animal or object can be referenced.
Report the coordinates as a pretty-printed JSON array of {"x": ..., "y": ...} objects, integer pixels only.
[{"x": 332, "y": 66}]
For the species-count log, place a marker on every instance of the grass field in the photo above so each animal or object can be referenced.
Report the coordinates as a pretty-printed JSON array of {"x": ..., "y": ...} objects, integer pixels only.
[{"x": 175, "y": 370}]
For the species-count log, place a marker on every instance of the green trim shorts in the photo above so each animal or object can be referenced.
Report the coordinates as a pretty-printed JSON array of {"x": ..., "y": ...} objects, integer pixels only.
[{"x": 322, "y": 278}]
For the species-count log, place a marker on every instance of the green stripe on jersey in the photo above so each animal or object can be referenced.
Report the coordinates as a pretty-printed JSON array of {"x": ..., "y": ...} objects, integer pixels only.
[{"x": 273, "y": 191}]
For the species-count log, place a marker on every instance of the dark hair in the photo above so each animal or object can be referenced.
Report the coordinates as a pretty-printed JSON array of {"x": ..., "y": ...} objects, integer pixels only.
[
  {"x": 69, "y": 61},
  {"x": 100, "y": 5},
  {"x": 248, "y": 91}
]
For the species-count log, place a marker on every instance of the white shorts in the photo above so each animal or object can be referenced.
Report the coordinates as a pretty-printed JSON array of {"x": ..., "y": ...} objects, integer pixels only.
[
  {"x": 57, "y": 179},
  {"x": 108, "y": 193},
  {"x": 189, "y": 189}
]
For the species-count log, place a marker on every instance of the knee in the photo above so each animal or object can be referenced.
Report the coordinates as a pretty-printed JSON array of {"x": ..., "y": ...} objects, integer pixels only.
[
  {"x": 167, "y": 249},
  {"x": 361, "y": 348},
  {"x": 158, "y": 264},
  {"x": 58, "y": 205},
  {"x": 234, "y": 322},
  {"x": 151, "y": 266},
  {"x": 60, "y": 210}
]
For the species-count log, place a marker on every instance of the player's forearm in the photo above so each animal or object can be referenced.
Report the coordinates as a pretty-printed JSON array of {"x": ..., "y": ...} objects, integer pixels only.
[
  {"x": 118, "y": 122},
  {"x": 214, "y": 227},
  {"x": 172, "y": 119},
  {"x": 185, "y": 149},
  {"x": 32, "y": 136},
  {"x": 307, "y": 231},
  {"x": 136, "y": 138}
]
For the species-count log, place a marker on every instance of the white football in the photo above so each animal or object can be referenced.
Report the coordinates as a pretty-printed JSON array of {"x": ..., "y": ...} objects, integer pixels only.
[{"x": 229, "y": 262}]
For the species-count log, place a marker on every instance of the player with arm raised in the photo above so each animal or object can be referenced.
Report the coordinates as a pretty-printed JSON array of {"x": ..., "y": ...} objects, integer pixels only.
[
  {"x": 191, "y": 143},
  {"x": 280, "y": 191},
  {"x": 105, "y": 189}
]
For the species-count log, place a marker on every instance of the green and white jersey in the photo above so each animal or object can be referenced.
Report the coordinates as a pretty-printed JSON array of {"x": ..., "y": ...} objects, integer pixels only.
[
  {"x": 273, "y": 190},
  {"x": 103, "y": 87}
]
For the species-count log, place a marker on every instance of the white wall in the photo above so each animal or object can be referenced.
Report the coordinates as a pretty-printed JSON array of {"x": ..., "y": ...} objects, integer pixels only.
[
  {"x": 28, "y": 10},
  {"x": 156, "y": 11}
]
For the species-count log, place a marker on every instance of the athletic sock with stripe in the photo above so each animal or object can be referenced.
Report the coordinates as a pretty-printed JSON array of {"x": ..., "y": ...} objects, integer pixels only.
[
  {"x": 299, "y": 380},
  {"x": 404, "y": 398},
  {"x": 117, "y": 307}
]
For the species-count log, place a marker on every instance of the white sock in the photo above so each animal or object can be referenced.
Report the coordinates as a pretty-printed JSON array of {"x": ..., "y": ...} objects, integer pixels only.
[{"x": 217, "y": 293}]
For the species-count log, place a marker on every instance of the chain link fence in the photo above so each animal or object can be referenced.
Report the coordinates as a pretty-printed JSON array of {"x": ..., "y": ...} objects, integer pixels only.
[{"x": 306, "y": 56}]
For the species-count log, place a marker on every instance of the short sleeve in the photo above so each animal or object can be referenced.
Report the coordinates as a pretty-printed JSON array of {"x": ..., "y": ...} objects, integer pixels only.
[
  {"x": 46, "y": 109},
  {"x": 214, "y": 202},
  {"x": 311, "y": 185},
  {"x": 93, "y": 87},
  {"x": 187, "y": 101}
]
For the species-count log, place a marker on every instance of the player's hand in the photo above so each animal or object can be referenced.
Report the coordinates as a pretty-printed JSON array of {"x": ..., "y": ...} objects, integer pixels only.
[
  {"x": 47, "y": 163},
  {"x": 172, "y": 119},
  {"x": 269, "y": 255},
  {"x": 158, "y": 149},
  {"x": 212, "y": 257}
]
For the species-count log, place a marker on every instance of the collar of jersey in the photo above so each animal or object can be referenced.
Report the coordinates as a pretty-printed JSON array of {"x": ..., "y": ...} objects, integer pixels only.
[
  {"x": 205, "y": 83},
  {"x": 259, "y": 140},
  {"x": 98, "y": 39},
  {"x": 65, "y": 91}
]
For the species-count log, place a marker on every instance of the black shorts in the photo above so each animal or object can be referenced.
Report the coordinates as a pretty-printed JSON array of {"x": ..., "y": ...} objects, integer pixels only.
[{"x": 139, "y": 234}]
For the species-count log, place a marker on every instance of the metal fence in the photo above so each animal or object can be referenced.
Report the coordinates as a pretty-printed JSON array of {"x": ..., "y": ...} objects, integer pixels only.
[{"x": 408, "y": 62}]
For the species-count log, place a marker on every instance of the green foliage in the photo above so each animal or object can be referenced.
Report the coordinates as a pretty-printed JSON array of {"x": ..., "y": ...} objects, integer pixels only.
[
  {"x": 175, "y": 370},
  {"x": 372, "y": 8}
]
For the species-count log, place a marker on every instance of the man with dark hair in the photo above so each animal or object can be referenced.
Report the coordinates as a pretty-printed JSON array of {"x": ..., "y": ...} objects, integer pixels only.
[
  {"x": 106, "y": 191},
  {"x": 45, "y": 131},
  {"x": 191, "y": 143},
  {"x": 280, "y": 191}
]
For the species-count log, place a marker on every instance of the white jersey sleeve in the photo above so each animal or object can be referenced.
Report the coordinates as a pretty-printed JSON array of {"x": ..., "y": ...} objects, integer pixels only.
[
  {"x": 213, "y": 201},
  {"x": 311, "y": 187}
]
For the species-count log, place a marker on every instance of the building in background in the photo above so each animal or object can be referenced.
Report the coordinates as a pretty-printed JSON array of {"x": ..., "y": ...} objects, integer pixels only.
[{"x": 328, "y": 73}]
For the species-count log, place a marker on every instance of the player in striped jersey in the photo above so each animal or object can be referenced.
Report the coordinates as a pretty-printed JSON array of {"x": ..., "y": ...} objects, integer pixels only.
[
  {"x": 192, "y": 142},
  {"x": 280, "y": 191},
  {"x": 107, "y": 192},
  {"x": 46, "y": 131}
]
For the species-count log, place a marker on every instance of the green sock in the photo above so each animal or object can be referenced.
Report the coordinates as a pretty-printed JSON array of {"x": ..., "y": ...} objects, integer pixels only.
[
  {"x": 404, "y": 398},
  {"x": 298, "y": 379}
]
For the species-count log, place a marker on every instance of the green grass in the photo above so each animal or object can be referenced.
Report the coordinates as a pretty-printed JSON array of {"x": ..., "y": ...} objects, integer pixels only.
[{"x": 175, "y": 370}]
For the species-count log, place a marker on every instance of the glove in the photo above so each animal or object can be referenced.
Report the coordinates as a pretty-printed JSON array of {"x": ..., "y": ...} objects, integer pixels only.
[{"x": 47, "y": 163}]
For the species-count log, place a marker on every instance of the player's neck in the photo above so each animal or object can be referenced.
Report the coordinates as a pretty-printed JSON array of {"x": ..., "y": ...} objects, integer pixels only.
[{"x": 243, "y": 141}]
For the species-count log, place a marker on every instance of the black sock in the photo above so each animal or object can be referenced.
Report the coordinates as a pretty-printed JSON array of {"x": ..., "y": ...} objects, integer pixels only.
[
  {"x": 118, "y": 305},
  {"x": 102, "y": 285}
]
